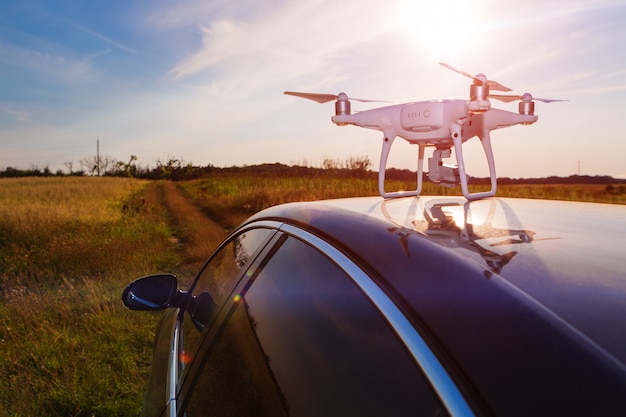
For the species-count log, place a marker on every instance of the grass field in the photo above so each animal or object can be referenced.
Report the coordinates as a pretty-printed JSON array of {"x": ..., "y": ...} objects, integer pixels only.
[
  {"x": 229, "y": 199},
  {"x": 68, "y": 247}
]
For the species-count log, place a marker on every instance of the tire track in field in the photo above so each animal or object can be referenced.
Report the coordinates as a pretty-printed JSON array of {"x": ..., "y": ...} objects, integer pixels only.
[{"x": 196, "y": 233}]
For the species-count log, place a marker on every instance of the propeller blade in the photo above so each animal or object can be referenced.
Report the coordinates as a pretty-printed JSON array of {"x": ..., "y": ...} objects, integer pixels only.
[
  {"x": 493, "y": 85},
  {"x": 450, "y": 67},
  {"x": 362, "y": 100},
  {"x": 506, "y": 99},
  {"x": 320, "y": 98},
  {"x": 547, "y": 100},
  {"x": 525, "y": 97},
  {"x": 324, "y": 98}
]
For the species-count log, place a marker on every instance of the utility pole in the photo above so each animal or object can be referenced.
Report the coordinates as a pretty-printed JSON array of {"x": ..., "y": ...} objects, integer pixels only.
[{"x": 98, "y": 155}]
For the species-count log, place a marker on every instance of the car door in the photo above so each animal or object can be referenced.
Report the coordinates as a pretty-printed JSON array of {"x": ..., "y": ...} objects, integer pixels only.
[
  {"x": 305, "y": 332},
  {"x": 181, "y": 330}
]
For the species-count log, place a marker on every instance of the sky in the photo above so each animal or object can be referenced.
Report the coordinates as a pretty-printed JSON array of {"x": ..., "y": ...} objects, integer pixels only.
[{"x": 202, "y": 81}]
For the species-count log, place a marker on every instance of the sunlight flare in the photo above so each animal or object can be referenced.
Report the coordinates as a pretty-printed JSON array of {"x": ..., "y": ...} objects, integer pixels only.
[{"x": 438, "y": 25}]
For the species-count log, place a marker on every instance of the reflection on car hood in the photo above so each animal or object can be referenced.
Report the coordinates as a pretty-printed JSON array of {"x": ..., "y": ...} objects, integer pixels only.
[{"x": 570, "y": 257}]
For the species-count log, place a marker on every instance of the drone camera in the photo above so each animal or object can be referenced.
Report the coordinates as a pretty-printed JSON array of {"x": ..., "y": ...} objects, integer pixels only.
[{"x": 443, "y": 174}]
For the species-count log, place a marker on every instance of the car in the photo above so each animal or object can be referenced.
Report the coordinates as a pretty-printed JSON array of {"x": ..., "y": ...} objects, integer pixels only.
[{"x": 425, "y": 305}]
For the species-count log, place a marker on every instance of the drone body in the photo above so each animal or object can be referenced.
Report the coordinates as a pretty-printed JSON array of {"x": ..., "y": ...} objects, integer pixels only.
[{"x": 442, "y": 124}]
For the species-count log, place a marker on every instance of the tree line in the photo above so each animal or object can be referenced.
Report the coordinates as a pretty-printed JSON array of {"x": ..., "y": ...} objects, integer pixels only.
[{"x": 176, "y": 169}]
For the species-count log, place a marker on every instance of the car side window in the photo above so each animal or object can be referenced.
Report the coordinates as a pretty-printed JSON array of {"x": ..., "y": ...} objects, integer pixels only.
[
  {"x": 305, "y": 341},
  {"x": 213, "y": 285}
]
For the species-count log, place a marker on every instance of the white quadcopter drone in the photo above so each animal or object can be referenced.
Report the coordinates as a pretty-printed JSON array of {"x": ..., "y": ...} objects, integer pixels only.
[{"x": 438, "y": 123}]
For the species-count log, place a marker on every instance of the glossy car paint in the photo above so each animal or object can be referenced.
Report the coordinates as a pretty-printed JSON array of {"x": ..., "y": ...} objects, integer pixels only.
[
  {"x": 534, "y": 323},
  {"x": 522, "y": 302}
]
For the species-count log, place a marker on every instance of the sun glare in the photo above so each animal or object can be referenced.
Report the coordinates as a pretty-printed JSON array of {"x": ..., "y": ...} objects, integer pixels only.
[{"x": 440, "y": 26}]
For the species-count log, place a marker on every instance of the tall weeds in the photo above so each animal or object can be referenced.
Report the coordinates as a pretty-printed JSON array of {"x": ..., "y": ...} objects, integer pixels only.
[{"x": 68, "y": 246}]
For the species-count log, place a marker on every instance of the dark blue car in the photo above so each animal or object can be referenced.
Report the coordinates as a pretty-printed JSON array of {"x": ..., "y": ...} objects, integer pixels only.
[{"x": 423, "y": 306}]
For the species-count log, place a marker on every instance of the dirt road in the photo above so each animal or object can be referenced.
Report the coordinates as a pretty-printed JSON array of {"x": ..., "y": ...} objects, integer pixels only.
[{"x": 195, "y": 234}]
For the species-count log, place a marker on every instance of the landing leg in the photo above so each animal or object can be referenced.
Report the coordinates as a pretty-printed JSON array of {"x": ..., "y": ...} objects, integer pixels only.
[
  {"x": 457, "y": 138},
  {"x": 387, "y": 142},
  {"x": 420, "y": 169}
]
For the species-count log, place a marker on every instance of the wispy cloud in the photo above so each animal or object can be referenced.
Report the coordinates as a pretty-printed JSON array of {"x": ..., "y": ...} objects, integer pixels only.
[
  {"x": 282, "y": 42},
  {"x": 95, "y": 55},
  {"x": 58, "y": 65},
  {"x": 21, "y": 116},
  {"x": 103, "y": 38}
]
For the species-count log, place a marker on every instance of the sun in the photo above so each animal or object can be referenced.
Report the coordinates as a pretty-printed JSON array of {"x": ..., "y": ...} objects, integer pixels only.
[{"x": 440, "y": 25}]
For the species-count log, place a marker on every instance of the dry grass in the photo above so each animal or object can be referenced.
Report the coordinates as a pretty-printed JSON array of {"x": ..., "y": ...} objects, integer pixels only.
[
  {"x": 230, "y": 198},
  {"x": 69, "y": 246},
  {"x": 593, "y": 193}
]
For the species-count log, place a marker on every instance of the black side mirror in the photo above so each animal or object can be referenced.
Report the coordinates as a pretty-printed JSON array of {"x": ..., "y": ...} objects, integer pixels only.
[{"x": 153, "y": 292}]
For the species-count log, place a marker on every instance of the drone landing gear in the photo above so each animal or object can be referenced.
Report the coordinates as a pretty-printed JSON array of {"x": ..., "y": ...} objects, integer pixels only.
[
  {"x": 387, "y": 142},
  {"x": 440, "y": 173},
  {"x": 485, "y": 140}
]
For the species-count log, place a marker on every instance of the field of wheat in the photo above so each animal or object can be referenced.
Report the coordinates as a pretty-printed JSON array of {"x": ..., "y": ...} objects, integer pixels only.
[{"x": 68, "y": 247}]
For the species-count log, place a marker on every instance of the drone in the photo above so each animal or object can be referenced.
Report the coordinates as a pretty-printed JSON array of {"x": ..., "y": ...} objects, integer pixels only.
[{"x": 442, "y": 124}]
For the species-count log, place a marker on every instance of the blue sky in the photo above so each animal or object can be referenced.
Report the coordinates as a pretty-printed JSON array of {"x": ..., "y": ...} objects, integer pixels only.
[{"x": 202, "y": 81}]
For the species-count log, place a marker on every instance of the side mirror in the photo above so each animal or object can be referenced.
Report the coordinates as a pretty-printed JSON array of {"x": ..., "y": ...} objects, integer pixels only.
[{"x": 153, "y": 292}]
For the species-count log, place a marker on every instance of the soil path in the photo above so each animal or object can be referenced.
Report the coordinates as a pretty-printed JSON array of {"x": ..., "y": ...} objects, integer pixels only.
[{"x": 196, "y": 234}]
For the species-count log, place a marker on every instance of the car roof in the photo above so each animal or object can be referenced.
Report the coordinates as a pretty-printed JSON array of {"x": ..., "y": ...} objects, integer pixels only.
[{"x": 490, "y": 275}]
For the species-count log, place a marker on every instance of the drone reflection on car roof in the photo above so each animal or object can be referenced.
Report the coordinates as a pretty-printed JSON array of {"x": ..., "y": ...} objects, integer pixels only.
[{"x": 487, "y": 227}]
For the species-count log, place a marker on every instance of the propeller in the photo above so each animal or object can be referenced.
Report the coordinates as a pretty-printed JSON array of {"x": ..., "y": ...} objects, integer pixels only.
[
  {"x": 480, "y": 78},
  {"x": 324, "y": 98},
  {"x": 527, "y": 101},
  {"x": 526, "y": 98}
]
